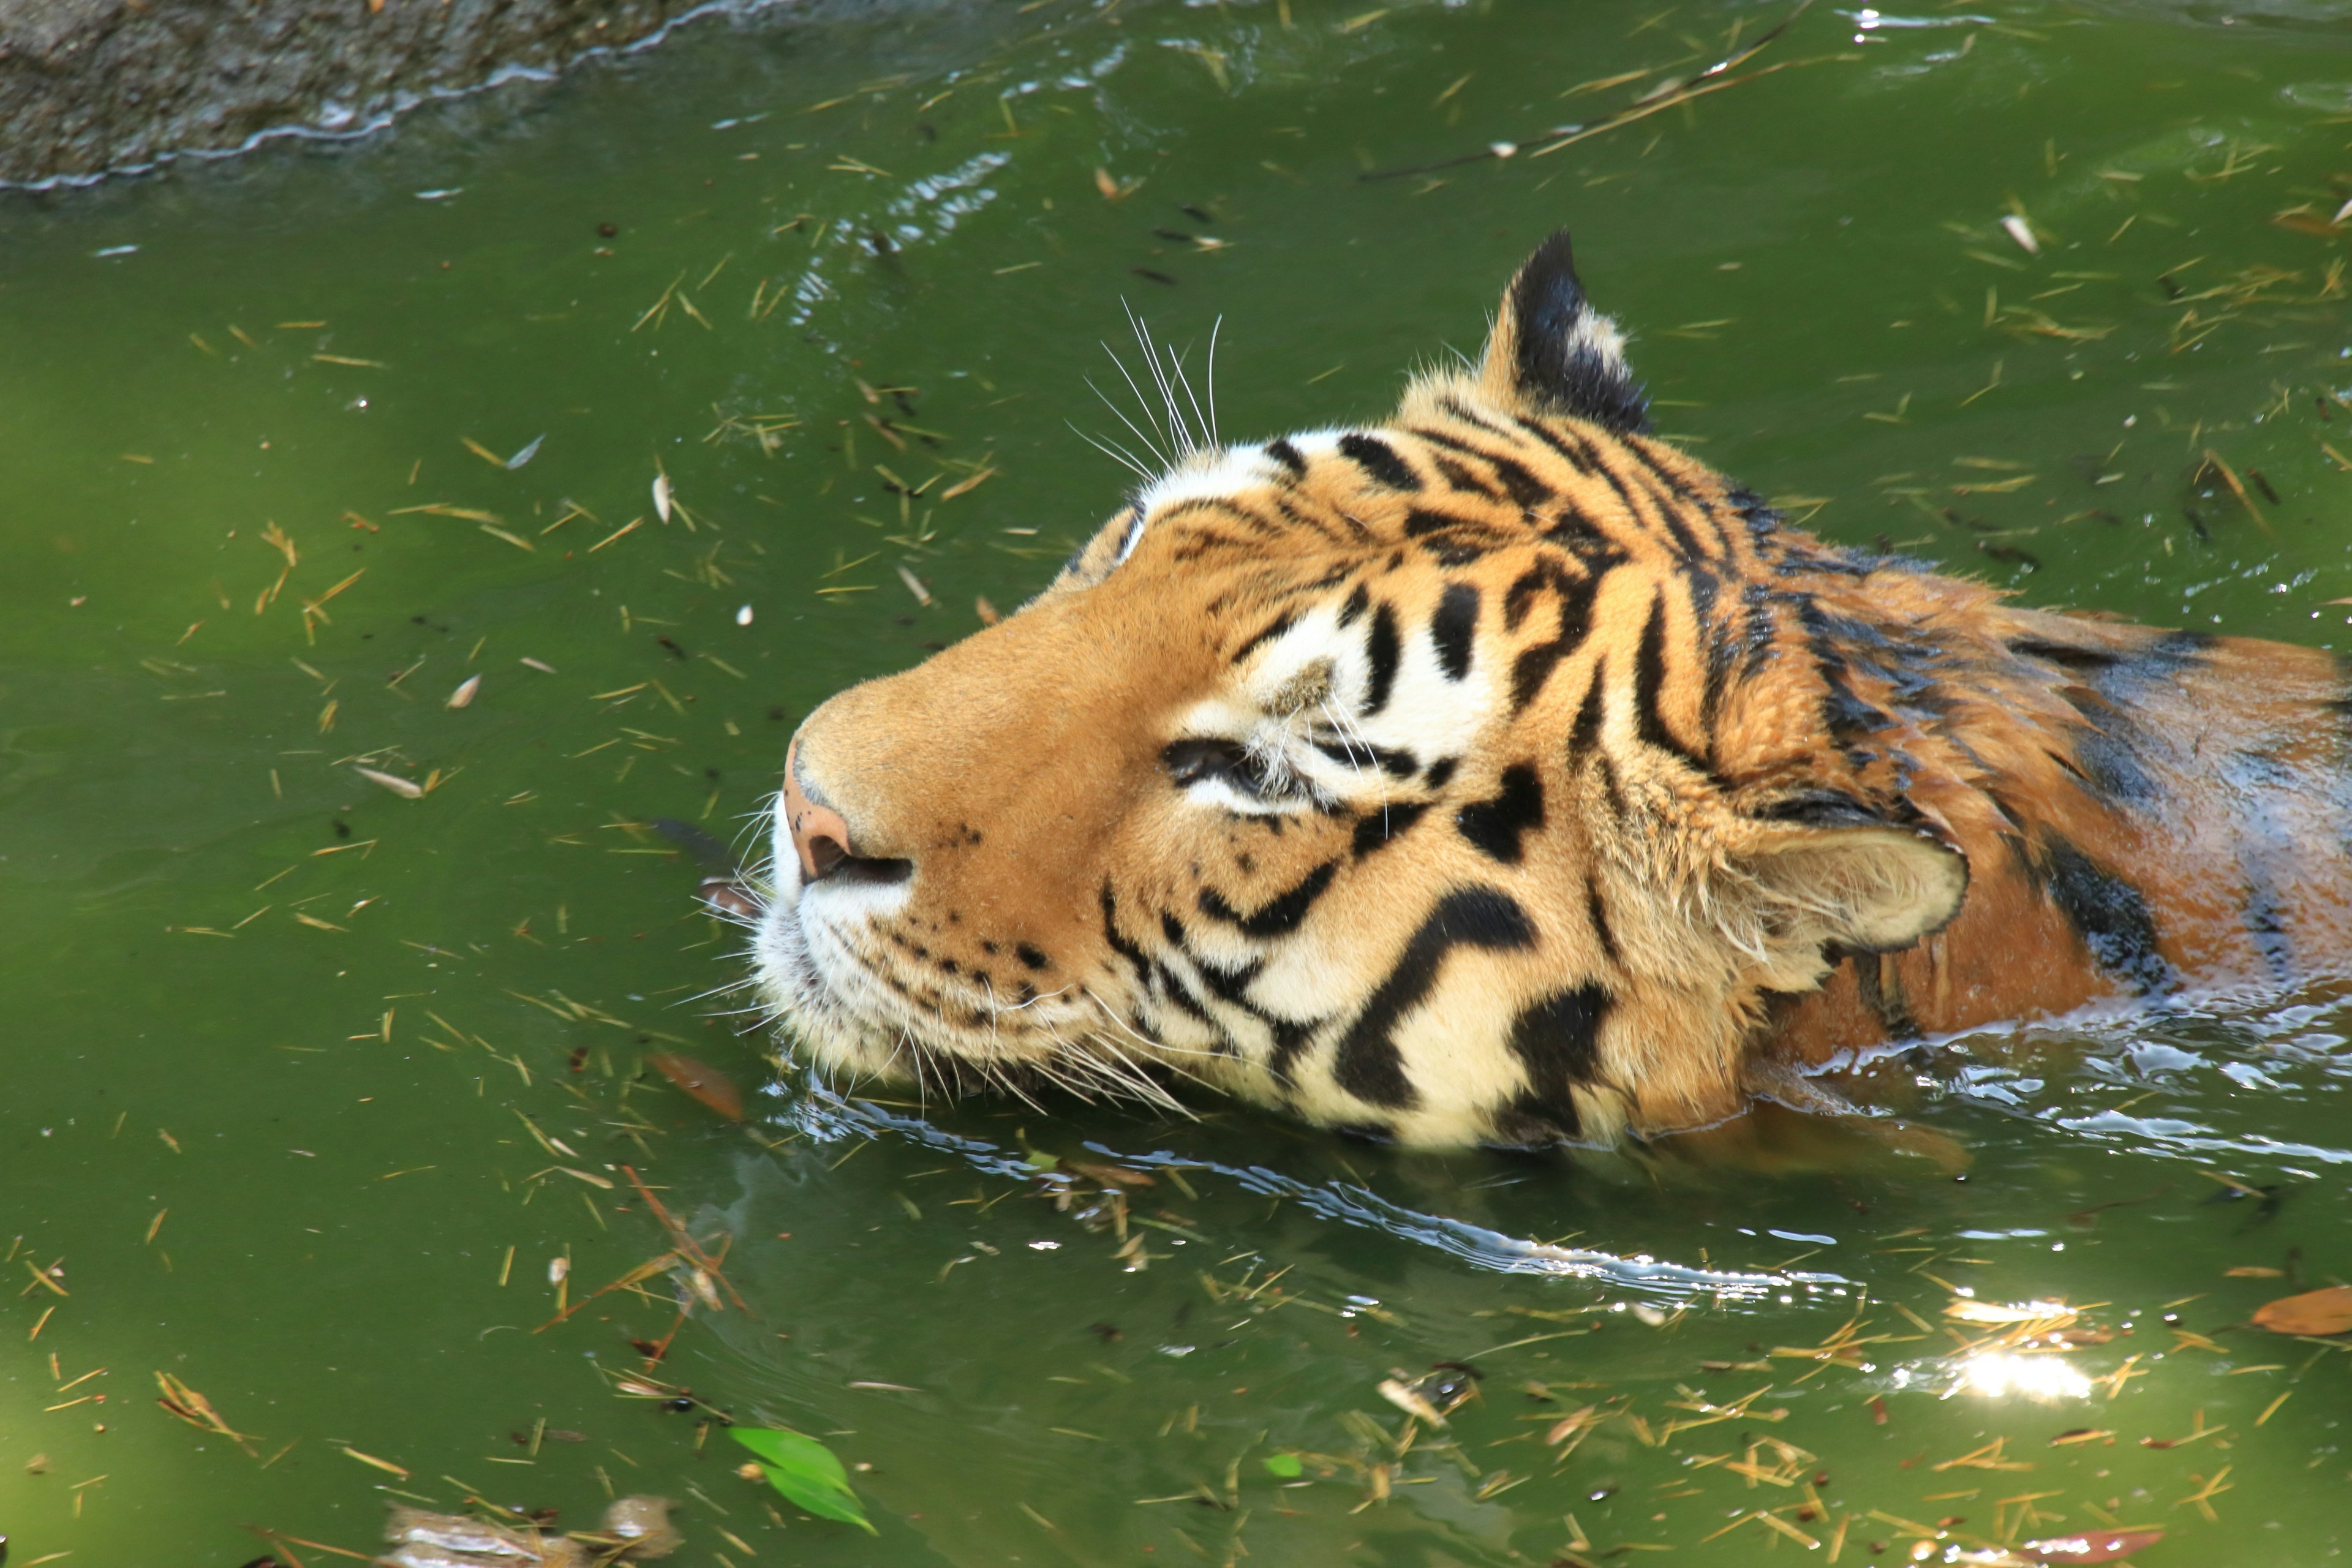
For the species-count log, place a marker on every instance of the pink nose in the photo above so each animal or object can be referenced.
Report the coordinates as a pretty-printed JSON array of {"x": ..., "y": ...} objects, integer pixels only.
[{"x": 820, "y": 834}]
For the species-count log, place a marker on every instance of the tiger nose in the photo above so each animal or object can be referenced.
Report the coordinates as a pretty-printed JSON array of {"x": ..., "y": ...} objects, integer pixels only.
[{"x": 821, "y": 836}]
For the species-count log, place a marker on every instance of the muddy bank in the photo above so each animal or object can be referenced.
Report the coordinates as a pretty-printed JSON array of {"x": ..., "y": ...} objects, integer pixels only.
[{"x": 88, "y": 86}]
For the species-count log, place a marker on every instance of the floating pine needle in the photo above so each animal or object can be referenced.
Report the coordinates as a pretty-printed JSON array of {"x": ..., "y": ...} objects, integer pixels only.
[
  {"x": 1715, "y": 79},
  {"x": 690, "y": 1248},
  {"x": 197, "y": 1411},
  {"x": 705, "y": 1083}
]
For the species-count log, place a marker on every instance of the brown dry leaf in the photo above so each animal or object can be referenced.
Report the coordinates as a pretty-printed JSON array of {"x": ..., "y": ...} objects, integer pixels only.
[
  {"x": 2327, "y": 1311},
  {"x": 987, "y": 612},
  {"x": 704, "y": 1082}
]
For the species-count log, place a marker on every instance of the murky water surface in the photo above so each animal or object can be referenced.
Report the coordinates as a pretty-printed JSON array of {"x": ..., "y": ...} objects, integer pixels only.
[{"x": 313, "y": 1085}]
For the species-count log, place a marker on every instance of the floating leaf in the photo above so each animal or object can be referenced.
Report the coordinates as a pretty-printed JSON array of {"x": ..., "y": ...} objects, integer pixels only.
[
  {"x": 2327, "y": 1311},
  {"x": 704, "y": 1082},
  {"x": 1286, "y": 1466},
  {"x": 806, "y": 1472},
  {"x": 2105, "y": 1546}
]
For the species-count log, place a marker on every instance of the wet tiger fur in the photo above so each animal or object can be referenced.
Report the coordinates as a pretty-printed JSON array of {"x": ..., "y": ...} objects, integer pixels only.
[{"x": 1501, "y": 774}]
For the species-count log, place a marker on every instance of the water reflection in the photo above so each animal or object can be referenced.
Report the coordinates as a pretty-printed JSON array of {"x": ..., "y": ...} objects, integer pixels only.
[{"x": 822, "y": 1113}]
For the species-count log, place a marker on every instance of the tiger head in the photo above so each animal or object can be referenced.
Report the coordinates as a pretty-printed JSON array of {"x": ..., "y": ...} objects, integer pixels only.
[{"x": 1434, "y": 780}]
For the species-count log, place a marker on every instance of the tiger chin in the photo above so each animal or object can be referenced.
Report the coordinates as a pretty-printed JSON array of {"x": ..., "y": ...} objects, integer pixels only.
[{"x": 1498, "y": 772}]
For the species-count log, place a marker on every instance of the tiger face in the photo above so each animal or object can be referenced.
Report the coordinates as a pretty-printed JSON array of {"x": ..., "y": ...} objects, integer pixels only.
[{"x": 1433, "y": 780}]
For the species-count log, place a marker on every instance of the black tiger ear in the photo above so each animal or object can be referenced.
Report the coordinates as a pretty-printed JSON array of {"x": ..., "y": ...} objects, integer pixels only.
[{"x": 1551, "y": 353}]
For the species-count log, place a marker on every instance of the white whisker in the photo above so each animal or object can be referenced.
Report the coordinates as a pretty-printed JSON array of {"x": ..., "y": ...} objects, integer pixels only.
[
  {"x": 1186, "y": 382},
  {"x": 1180, "y": 434},
  {"x": 1210, "y": 381},
  {"x": 1117, "y": 454},
  {"x": 1142, "y": 403}
]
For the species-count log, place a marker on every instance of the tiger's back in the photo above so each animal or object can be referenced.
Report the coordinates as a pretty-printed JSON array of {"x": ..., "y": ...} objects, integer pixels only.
[{"x": 1499, "y": 773}]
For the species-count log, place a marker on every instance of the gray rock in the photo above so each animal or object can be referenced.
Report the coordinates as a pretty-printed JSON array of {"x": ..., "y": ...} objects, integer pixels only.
[{"x": 93, "y": 87}]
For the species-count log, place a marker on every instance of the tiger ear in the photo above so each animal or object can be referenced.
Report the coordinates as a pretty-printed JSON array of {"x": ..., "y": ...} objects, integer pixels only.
[
  {"x": 1551, "y": 353},
  {"x": 1852, "y": 884}
]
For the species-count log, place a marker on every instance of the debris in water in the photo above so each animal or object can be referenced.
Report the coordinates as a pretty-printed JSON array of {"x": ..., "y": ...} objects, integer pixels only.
[
  {"x": 407, "y": 789},
  {"x": 464, "y": 696},
  {"x": 530, "y": 451},
  {"x": 2022, "y": 232},
  {"x": 704, "y": 1082},
  {"x": 2327, "y": 1311},
  {"x": 634, "y": 1530},
  {"x": 725, "y": 896},
  {"x": 661, "y": 497},
  {"x": 743, "y": 616}
]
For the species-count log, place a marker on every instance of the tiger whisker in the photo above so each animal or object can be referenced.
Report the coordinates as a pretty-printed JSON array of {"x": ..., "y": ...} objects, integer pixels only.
[
  {"x": 1134, "y": 429},
  {"x": 1185, "y": 382},
  {"x": 1209, "y": 382},
  {"x": 1142, "y": 404},
  {"x": 1118, "y": 456},
  {"x": 1180, "y": 434}
]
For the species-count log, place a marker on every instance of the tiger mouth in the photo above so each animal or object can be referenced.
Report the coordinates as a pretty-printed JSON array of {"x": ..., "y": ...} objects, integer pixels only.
[{"x": 843, "y": 1011}]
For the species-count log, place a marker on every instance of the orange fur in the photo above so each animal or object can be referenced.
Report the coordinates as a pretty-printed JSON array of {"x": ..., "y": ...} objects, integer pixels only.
[{"x": 1656, "y": 791}]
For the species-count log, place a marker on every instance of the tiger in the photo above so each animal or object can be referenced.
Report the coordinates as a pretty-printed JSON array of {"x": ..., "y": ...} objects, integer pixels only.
[{"x": 1499, "y": 773}]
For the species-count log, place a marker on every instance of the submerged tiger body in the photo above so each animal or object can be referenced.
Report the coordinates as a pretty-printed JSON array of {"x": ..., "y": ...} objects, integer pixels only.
[{"x": 1501, "y": 773}]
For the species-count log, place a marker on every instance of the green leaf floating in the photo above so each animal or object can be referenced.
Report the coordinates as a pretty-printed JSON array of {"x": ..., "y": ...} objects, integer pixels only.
[
  {"x": 1286, "y": 1466},
  {"x": 806, "y": 1471}
]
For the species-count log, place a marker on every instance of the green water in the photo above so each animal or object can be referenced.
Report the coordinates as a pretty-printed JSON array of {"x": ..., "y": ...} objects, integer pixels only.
[{"x": 283, "y": 1044}]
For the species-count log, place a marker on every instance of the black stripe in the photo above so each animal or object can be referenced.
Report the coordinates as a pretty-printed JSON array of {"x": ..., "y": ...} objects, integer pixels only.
[
  {"x": 1127, "y": 949},
  {"x": 1367, "y": 1064},
  {"x": 1586, "y": 734},
  {"x": 1379, "y": 460},
  {"x": 1357, "y": 602},
  {"x": 1557, "y": 1042},
  {"x": 1290, "y": 1037},
  {"x": 1649, "y": 679},
  {"x": 1382, "y": 650},
  {"x": 1521, "y": 595},
  {"x": 1453, "y": 626},
  {"x": 1278, "y": 915},
  {"x": 1283, "y": 452},
  {"x": 1458, "y": 477},
  {"x": 1386, "y": 826},
  {"x": 2110, "y": 915},
  {"x": 1881, "y": 985},
  {"x": 1495, "y": 826},
  {"x": 1268, "y": 633},
  {"x": 1524, "y": 487},
  {"x": 1439, "y": 772},
  {"x": 1574, "y": 597},
  {"x": 1597, "y": 913},
  {"x": 1396, "y": 764},
  {"x": 1228, "y": 984}
]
